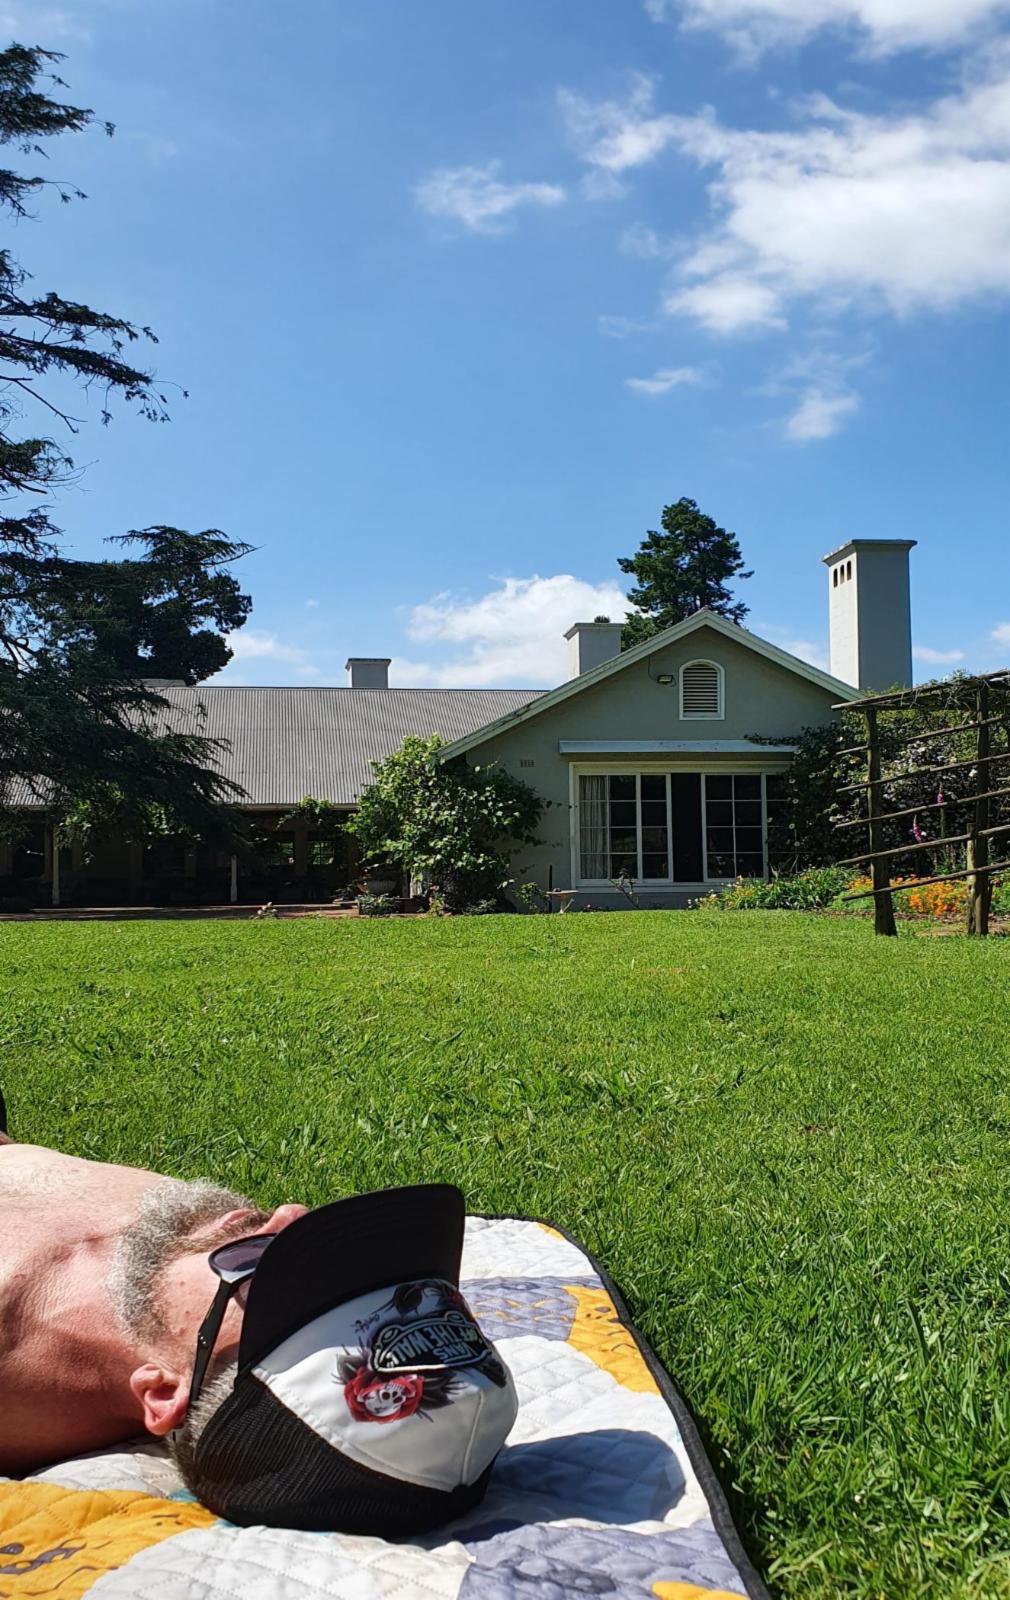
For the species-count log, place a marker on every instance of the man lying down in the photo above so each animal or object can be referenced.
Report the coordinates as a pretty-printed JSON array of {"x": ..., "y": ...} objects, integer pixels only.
[{"x": 308, "y": 1369}]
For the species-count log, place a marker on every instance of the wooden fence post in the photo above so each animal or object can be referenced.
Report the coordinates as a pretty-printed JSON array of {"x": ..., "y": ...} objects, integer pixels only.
[
  {"x": 883, "y": 904},
  {"x": 977, "y": 854}
]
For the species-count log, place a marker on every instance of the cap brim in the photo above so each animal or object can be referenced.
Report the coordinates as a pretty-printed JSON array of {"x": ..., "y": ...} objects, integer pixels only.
[{"x": 347, "y": 1249}]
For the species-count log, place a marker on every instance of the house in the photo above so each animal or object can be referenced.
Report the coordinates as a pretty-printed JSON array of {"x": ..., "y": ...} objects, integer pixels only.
[{"x": 661, "y": 764}]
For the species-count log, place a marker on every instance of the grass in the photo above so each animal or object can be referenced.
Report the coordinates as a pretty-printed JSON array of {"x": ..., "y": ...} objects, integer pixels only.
[{"x": 787, "y": 1140}]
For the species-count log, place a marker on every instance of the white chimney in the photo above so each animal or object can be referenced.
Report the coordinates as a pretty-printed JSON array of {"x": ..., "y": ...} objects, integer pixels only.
[
  {"x": 590, "y": 644},
  {"x": 870, "y": 613},
  {"x": 368, "y": 672}
]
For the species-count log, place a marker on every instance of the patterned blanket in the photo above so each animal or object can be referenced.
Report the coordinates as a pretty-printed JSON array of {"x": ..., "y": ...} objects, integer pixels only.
[{"x": 602, "y": 1489}]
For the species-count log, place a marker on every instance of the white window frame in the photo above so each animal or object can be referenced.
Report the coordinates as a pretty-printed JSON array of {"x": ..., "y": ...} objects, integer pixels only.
[
  {"x": 701, "y": 769},
  {"x": 764, "y": 776},
  {"x": 697, "y": 716},
  {"x": 638, "y": 773}
]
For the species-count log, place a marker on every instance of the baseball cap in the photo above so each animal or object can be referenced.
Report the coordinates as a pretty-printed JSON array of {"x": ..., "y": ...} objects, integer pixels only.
[{"x": 367, "y": 1398}]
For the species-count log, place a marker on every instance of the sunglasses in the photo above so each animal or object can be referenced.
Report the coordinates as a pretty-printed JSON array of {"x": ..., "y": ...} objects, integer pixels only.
[{"x": 234, "y": 1264}]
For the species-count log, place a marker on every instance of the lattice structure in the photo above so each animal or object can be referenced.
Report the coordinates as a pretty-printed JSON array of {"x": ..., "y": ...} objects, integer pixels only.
[{"x": 983, "y": 704}]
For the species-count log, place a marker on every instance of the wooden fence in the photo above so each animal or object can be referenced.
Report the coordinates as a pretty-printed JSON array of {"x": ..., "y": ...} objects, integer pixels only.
[{"x": 984, "y": 703}]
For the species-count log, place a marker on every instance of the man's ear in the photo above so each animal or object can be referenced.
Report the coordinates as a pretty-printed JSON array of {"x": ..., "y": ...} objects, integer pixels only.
[{"x": 163, "y": 1397}]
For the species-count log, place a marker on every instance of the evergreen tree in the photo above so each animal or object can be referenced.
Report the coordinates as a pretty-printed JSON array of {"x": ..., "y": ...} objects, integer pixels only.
[
  {"x": 686, "y": 566},
  {"x": 78, "y": 729},
  {"x": 148, "y": 616}
]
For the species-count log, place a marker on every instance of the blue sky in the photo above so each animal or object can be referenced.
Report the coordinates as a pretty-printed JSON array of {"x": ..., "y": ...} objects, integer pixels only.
[{"x": 463, "y": 291}]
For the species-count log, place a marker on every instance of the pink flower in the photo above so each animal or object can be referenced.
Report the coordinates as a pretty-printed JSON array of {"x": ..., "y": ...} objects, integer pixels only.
[{"x": 917, "y": 834}]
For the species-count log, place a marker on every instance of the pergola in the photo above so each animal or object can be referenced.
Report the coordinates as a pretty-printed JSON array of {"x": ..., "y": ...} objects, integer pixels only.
[{"x": 983, "y": 705}]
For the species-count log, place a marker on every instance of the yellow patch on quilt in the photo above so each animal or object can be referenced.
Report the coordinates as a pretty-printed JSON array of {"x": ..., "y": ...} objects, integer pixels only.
[
  {"x": 690, "y": 1591},
  {"x": 599, "y": 1334},
  {"x": 59, "y": 1542},
  {"x": 555, "y": 1233}
]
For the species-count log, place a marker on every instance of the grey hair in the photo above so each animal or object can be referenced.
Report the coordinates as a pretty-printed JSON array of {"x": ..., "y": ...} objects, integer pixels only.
[
  {"x": 218, "y": 1385},
  {"x": 169, "y": 1216}
]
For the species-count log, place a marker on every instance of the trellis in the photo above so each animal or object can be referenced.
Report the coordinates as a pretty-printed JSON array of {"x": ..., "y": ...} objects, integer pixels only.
[{"x": 984, "y": 702}]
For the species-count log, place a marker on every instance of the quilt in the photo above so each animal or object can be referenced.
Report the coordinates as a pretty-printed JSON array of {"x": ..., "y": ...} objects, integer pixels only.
[{"x": 602, "y": 1489}]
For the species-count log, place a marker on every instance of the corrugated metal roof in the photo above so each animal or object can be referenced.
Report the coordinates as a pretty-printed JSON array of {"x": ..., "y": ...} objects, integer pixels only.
[{"x": 289, "y": 742}]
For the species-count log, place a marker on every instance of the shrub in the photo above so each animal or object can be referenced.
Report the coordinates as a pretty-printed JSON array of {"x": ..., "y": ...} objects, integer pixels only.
[
  {"x": 812, "y": 890},
  {"x": 445, "y": 822},
  {"x": 378, "y": 905}
]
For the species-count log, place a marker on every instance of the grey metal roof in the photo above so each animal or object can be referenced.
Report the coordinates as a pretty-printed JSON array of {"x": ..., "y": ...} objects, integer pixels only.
[{"x": 289, "y": 742}]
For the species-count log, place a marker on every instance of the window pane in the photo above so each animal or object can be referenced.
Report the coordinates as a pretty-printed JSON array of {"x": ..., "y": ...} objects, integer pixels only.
[
  {"x": 654, "y": 814},
  {"x": 624, "y": 864},
  {"x": 720, "y": 867},
  {"x": 749, "y": 840},
  {"x": 750, "y": 867},
  {"x": 655, "y": 866},
  {"x": 654, "y": 839},
  {"x": 719, "y": 788},
  {"x": 623, "y": 842},
  {"x": 748, "y": 813},
  {"x": 623, "y": 814},
  {"x": 748, "y": 788},
  {"x": 653, "y": 787},
  {"x": 720, "y": 839},
  {"x": 720, "y": 813},
  {"x": 622, "y": 788}
]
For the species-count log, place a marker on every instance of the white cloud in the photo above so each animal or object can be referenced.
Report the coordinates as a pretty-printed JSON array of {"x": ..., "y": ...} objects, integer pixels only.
[
  {"x": 476, "y": 197},
  {"x": 937, "y": 658},
  {"x": 818, "y": 380},
  {"x": 642, "y": 243},
  {"x": 600, "y": 185},
  {"x": 884, "y": 26},
  {"x": 664, "y": 380},
  {"x": 311, "y": 605},
  {"x": 617, "y": 135},
  {"x": 819, "y": 415},
  {"x": 510, "y": 637},
  {"x": 905, "y": 213},
  {"x": 262, "y": 654},
  {"x": 1001, "y": 633}
]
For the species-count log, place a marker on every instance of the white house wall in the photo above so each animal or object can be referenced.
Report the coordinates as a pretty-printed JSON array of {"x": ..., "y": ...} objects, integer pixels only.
[{"x": 760, "y": 698}]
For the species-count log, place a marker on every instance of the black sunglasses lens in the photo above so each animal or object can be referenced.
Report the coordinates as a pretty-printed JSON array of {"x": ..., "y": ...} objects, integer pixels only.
[{"x": 238, "y": 1259}]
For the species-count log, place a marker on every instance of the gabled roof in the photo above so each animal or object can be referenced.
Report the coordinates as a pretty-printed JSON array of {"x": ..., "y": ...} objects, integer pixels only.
[{"x": 705, "y": 618}]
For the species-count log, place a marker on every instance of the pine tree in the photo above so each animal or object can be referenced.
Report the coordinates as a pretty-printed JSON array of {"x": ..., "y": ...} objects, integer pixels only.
[
  {"x": 79, "y": 730},
  {"x": 686, "y": 566}
]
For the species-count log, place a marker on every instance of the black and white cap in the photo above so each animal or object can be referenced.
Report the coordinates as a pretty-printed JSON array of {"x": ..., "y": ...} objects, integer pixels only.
[{"x": 367, "y": 1399}]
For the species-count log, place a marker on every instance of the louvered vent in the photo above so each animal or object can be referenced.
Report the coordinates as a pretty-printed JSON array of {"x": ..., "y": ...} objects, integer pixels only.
[{"x": 700, "y": 690}]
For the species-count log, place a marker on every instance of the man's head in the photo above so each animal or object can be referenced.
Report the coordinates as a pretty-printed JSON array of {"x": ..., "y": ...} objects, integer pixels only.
[
  {"x": 355, "y": 1391},
  {"x": 161, "y": 1285}
]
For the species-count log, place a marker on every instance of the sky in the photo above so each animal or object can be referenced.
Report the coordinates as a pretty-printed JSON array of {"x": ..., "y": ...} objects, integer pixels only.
[{"x": 453, "y": 296}]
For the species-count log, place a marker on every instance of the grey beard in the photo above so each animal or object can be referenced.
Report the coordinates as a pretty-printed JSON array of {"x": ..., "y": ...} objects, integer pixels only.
[{"x": 168, "y": 1225}]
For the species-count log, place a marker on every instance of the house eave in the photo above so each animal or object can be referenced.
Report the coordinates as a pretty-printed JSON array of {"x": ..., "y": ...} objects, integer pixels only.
[{"x": 642, "y": 747}]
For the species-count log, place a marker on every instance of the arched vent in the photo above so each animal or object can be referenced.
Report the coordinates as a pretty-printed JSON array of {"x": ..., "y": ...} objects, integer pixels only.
[{"x": 701, "y": 690}]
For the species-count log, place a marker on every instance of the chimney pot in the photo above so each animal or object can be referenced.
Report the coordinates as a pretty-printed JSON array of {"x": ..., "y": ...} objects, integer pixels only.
[{"x": 368, "y": 672}]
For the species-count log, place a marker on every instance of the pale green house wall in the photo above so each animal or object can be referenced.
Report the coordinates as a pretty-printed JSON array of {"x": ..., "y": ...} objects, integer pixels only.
[{"x": 761, "y": 697}]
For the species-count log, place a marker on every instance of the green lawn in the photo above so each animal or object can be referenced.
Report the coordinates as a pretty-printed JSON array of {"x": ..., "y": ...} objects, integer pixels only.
[{"x": 787, "y": 1140}]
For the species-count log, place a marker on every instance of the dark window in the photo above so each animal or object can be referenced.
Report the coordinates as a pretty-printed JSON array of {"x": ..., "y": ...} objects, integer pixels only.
[{"x": 734, "y": 826}]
